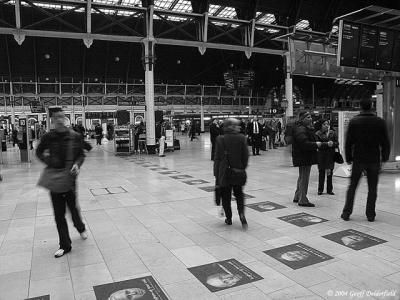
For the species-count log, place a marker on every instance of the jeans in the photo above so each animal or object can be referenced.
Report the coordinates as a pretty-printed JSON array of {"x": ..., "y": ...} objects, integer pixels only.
[
  {"x": 226, "y": 194},
  {"x": 302, "y": 184},
  {"x": 60, "y": 201},
  {"x": 321, "y": 181},
  {"x": 372, "y": 170}
]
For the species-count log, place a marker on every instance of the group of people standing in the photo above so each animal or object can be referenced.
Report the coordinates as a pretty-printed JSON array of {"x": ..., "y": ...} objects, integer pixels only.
[{"x": 367, "y": 146}]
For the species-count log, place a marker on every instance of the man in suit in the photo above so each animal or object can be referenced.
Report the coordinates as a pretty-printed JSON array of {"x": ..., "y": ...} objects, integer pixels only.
[
  {"x": 254, "y": 131},
  {"x": 367, "y": 145}
]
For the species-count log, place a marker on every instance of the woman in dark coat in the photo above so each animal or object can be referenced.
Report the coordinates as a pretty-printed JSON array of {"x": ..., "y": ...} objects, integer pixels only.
[
  {"x": 326, "y": 157},
  {"x": 233, "y": 144}
]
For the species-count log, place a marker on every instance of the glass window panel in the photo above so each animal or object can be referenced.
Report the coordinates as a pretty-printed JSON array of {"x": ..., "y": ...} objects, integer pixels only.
[
  {"x": 303, "y": 24},
  {"x": 335, "y": 29},
  {"x": 132, "y": 2},
  {"x": 183, "y": 6},
  {"x": 106, "y": 1},
  {"x": 176, "y": 19},
  {"x": 266, "y": 19},
  {"x": 163, "y": 4},
  {"x": 228, "y": 12},
  {"x": 213, "y": 8}
]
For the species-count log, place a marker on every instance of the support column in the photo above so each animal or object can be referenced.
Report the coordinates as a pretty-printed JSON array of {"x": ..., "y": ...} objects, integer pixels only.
[
  {"x": 379, "y": 99},
  {"x": 391, "y": 114},
  {"x": 289, "y": 95},
  {"x": 288, "y": 87},
  {"x": 148, "y": 62},
  {"x": 202, "y": 110}
]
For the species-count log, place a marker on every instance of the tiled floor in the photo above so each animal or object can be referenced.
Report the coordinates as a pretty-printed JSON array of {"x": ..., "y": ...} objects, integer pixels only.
[{"x": 144, "y": 220}]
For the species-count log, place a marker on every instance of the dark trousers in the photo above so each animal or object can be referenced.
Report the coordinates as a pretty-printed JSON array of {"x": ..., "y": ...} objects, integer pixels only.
[
  {"x": 272, "y": 136},
  {"x": 212, "y": 149},
  {"x": 98, "y": 139},
  {"x": 321, "y": 181},
  {"x": 256, "y": 143},
  {"x": 302, "y": 184},
  {"x": 372, "y": 170},
  {"x": 60, "y": 201},
  {"x": 226, "y": 194}
]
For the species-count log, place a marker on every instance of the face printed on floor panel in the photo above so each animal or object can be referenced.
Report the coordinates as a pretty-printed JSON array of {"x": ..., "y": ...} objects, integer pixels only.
[
  {"x": 223, "y": 280},
  {"x": 311, "y": 219},
  {"x": 127, "y": 294},
  {"x": 351, "y": 240},
  {"x": 296, "y": 255},
  {"x": 266, "y": 206}
]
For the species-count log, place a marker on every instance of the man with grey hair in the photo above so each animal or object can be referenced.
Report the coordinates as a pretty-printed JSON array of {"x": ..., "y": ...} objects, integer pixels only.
[{"x": 230, "y": 161}]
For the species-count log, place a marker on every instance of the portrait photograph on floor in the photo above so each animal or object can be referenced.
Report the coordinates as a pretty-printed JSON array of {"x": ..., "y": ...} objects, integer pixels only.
[
  {"x": 354, "y": 239},
  {"x": 302, "y": 219},
  {"x": 143, "y": 288},
  {"x": 297, "y": 256},
  {"x": 224, "y": 275}
]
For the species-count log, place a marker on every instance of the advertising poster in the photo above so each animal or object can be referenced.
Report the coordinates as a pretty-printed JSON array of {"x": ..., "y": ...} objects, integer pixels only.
[
  {"x": 169, "y": 137},
  {"x": 297, "y": 256},
  {"x": 144, "y": 288},
  {"x": 224, "y": 274},
  {"x": 302, "y": 219},
  {"x": 354, "y": 239},
  {"x": 265, "y": 206}
]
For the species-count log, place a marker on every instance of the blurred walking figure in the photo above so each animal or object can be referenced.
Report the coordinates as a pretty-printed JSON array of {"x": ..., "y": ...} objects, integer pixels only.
[
  {"x": 214, "y": 133},
  {"x": 367, "y": 145},
  {"x": 99, "y": 134},
  {"x": 62, "y": 152},
  {"x": 304, "y": 155},
  {"x": 326, "y": 157},
  {"x": 230, "y": 163}
]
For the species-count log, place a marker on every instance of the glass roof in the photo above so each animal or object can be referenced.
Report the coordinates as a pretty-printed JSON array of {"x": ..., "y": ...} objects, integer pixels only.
[
  {"x": 303, "y": 24},
  {"x": 228, "y": 12},
  {"x": 213, "y": 8},
  {"x": 264, "y": 18}
]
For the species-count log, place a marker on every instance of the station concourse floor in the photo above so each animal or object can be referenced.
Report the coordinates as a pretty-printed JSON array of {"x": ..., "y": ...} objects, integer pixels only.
[{"x": 150, "y": 224}]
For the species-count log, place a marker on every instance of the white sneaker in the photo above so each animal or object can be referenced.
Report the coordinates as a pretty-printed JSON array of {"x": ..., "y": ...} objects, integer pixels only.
[
  {"x": 84, "y": 235},
  {"x": 60, "y": 252}
]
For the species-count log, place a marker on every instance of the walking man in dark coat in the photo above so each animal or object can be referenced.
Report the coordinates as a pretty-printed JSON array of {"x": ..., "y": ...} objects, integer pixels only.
[
  {"x": 367, "y": 145},
  {"x": 304, "y": 155},
  {"x": 231, "y": 149}
]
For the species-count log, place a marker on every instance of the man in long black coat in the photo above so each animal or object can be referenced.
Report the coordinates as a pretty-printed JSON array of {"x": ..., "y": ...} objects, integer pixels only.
[
  {"x": 214, "y": 133},
  {"x": 367, "y": 145},
  {"x": 254, "y": 130},
  {"x": 304, "y": 155}
]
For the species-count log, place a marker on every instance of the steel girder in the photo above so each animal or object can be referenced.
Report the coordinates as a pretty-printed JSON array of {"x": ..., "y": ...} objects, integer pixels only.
[{"x": 196, "y": 30}]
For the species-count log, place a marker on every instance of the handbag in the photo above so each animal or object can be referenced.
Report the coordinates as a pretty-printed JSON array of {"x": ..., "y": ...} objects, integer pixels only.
[
  {"x": 234, "y": 176},
  {"x": 59, "y": 180},
  {"x": 338, "y": 158}
]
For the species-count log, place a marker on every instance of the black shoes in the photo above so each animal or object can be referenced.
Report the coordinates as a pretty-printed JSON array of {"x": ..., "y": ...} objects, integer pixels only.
[
  {"x": 308, "y": 204},
  {"x": 320, "y": 193},
  {"x": 371, "y": 219},
  {"x": 244, "y": 221},
  {"x": 345, "y": 217},
  {"x": 295, "y": 201},
  {"x": 228, "y": 221}
]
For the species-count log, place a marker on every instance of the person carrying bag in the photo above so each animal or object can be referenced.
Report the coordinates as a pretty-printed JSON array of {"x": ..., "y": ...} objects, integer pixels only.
[
  {"x": 62, "y": 151},
  {"x": 230, "y": 161}
]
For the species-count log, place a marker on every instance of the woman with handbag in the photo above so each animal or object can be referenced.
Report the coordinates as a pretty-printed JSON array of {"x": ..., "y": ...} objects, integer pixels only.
[
  {"x": 230, "y": 163},
  {"x": 62, "y": 151},
  {"x": 326, "y": 156}
]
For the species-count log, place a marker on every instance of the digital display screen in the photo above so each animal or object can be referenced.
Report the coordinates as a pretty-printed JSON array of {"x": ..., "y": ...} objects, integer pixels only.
[
  {"x": 350, "y": 45},
  {"x": 396, "y": 52},
  {"x": 385, "y": 49},
  {"x": 368, "y": 42}
]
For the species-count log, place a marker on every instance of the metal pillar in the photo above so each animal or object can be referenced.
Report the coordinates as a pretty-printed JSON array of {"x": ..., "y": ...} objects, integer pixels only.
[
  {"x": 391, "y": 114},
  {"x": 201, "y": 110},
  {"x": 379, "y": 100},
  {"x": 289, "y": 95},
  {"x": 148, "y": 61}
]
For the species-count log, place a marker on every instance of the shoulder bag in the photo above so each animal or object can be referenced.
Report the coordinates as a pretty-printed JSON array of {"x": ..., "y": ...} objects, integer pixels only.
[
  {"x": 59, "y": 180},
  {"x": 234, "y": 176}
]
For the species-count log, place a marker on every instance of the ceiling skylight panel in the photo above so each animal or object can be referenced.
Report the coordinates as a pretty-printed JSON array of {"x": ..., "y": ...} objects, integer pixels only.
[
  {"x": 183, "y": 6},
  {"x": 228, "y": 12},
  {"x": 213, "y": 8},
  {"x": 177, "y": 19},
  {"x": 131, "y": 2},
  {"x": 163, "y": 4},
  {"x": 106, "y": 1},
  {"x": 335, "y": 29},
  {"x": 267, "y": 19},
  {"x": 303, "y": 24}
]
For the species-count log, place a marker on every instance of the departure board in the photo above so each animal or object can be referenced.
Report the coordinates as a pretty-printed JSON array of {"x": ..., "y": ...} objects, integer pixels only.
[
  {"x": 385, "y": 49},
  {"x": 368, "y": 42},
  {"x": 349, "y": 47},
  {"x": 369, "y": 47},
  {"x": 396, "y": 52}
]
